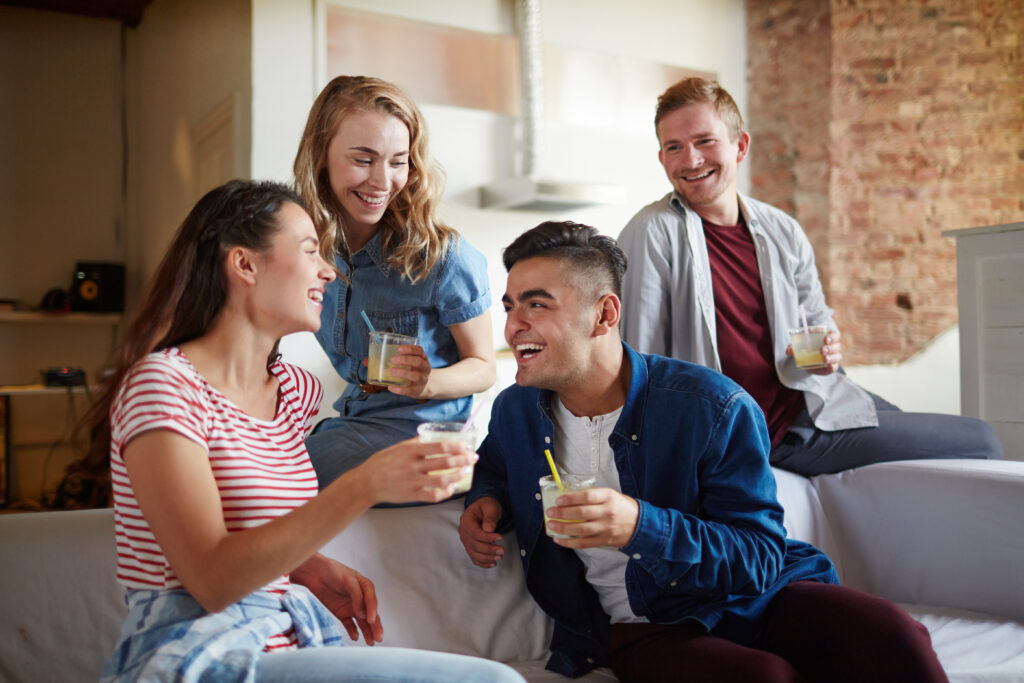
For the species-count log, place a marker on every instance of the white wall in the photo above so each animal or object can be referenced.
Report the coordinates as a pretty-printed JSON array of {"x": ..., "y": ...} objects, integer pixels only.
[
  {"x": 60, "y": 148},
  {"x": 468, "y": 143},
  {"x": 687, "y": 33},
  {"x": 60, "y": 151},
  {"x": 187, "y": 58},
  {"x": 60, "y": 202},
  {"x": 927, "y": 382},
  {"x": 61, "y": 198},
  {"x": 283, "y": 58}
]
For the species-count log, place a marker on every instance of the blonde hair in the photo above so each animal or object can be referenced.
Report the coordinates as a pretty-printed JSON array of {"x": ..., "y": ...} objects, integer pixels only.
[
  {"x": 698, "y": 90},
  {"x": 412, "y": 235}
]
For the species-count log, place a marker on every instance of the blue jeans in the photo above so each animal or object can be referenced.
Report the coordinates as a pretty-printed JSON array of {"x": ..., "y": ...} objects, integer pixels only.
[
  {"x": 338, "y": 444},
  {"x": 807, "y": 450},
  {"x": 379, "y": 665}
]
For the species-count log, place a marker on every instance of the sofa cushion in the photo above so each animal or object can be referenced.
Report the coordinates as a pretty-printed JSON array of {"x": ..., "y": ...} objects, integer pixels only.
[
  {"x": 430, "y": 594},
  {"x": 973, "y": 646}
]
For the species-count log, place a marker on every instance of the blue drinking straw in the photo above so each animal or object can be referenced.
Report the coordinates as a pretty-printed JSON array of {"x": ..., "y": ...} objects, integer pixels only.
[{"x": 367, "y": 319}]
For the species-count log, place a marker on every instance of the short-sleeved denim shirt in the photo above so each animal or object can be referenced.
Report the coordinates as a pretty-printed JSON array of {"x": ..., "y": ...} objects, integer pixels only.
[{"x": 456, "y": 290}]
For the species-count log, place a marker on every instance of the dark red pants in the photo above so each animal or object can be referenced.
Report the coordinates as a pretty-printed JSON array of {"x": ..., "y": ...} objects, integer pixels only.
[{"x": 813, "y": 632}]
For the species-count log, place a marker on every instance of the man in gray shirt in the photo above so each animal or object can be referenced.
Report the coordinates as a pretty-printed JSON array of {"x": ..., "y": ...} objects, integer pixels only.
[{"x": 719, "y": 279}]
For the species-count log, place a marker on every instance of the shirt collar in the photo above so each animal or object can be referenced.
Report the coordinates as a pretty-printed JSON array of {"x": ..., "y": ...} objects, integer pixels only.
[
  {"x": 677, "y": 202},
  {"x": 372, "y": 252},
  {"x": 630, "y": 426},
  {"x": 630, "y": 423}
]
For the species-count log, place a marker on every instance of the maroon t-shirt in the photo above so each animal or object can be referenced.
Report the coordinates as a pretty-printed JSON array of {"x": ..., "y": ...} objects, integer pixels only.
[{"x": 744, "y": 337}]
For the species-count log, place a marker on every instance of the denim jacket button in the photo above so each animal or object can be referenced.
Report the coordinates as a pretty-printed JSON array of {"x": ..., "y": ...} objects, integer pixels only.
[
  {"x": 341, "y": 315},
  {"x": 636, "y": 556},
  {"x": 537, "y": 496},
  {"x": 673, "y": 584},
  {"x": 547, "y": 439},
  {"x": 633, "y": 437},
  {"x": 522, "y": 553}
]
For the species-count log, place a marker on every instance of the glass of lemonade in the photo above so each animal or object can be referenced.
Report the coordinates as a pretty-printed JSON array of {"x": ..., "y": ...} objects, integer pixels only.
[
  {"x": 549, "y": 493},
  {"x": 434, "y": 432},
  {"x": 807, "y": 346},
  {"x": 384, "y": 346}
]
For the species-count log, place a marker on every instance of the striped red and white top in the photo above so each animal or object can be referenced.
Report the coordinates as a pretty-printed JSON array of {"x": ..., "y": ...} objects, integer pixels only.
[{"x": 261, "y": 467}]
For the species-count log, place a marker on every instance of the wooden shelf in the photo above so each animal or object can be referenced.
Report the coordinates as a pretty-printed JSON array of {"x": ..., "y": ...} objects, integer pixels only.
[
  {"x": 58, "y": 317},
  {"x": 41, "y": 389}
]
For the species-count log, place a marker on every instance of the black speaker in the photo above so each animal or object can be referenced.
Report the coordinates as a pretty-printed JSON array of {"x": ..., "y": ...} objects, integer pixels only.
[{"x": 98, "y": 287}]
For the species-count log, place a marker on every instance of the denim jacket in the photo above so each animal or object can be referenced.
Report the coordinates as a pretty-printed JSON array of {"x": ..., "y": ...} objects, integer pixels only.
[
  {"x": 168, "y": 636},
  {"x": 692, "y": 447},
  {"x": 668, "y": 306},
  {"x": 455, "y": 290}
]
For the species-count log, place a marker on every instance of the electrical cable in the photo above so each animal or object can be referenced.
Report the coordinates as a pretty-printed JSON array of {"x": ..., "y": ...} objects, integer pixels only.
[{"x": 70, "y": 419}]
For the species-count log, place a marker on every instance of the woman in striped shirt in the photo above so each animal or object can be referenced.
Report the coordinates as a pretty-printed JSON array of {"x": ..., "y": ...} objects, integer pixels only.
[{"x": 217, "y": 516}]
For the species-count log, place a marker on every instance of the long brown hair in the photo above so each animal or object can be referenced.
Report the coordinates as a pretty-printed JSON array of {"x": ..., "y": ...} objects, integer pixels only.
[
  {"x": 188, "y": 291},
  {"x": 413, "y": 236}
]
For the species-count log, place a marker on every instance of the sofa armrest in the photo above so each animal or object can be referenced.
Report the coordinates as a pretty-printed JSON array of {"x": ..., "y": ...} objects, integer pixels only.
[
  {"x": 804, "y": 517},
  {"x": 61, "y": 604},
  {"x": 430, "y": 594},
  {"x": 932, "y": 532}
]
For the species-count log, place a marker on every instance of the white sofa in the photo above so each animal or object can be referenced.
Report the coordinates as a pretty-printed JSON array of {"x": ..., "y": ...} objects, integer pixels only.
[{"x": 943, "y": 538}]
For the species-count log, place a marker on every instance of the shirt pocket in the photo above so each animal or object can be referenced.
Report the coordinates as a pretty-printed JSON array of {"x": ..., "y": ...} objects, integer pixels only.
[{"x": 400, "y": 322}]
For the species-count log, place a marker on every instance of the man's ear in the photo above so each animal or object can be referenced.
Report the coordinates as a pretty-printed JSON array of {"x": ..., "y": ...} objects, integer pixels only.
[
  {"x": 744, "y": 146},
  {"x": 241, "y": 265},
  {"x": 609, "y": 310}
]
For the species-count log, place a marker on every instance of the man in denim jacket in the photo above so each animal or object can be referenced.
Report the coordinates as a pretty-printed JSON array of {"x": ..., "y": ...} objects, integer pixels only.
[{"x": 677, "y": 561}]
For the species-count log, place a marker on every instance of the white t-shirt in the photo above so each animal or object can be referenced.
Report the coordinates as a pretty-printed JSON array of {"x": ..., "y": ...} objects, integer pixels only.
[{"x": 581, "y": 447}]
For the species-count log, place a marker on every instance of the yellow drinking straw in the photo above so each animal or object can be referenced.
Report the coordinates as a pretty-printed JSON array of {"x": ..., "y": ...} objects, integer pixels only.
[{"x": 554, "y": 472}]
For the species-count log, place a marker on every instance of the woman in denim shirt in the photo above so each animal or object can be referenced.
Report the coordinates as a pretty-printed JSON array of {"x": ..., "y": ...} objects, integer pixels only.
[{"x": 365, "y": 172}]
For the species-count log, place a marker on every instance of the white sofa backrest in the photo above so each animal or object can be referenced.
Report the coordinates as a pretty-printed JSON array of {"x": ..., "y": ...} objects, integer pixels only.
[
  {"x": 932, "y": 532},
  {"x": 943, "y": 533},
  {"x": 432, "y": 596},
  {"x": 61, "y": 608},
  {"x": 805, "y": 518}
]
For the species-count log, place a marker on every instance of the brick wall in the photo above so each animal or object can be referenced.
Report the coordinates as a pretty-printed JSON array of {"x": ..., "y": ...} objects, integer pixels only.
[{"x": 878, "y": 124}]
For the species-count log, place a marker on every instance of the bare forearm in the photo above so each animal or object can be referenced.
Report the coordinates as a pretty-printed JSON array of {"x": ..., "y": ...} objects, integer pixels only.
[
  {"x": 244, "y": 561},
  {"x": 464, "y": 378},
  {"x": 179, "y": 497}
]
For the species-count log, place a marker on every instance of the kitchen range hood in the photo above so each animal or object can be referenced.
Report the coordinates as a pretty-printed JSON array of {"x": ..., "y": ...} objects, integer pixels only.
[
  {"x": 527, "y": 194},
  {"x": 531, "y": 191}
]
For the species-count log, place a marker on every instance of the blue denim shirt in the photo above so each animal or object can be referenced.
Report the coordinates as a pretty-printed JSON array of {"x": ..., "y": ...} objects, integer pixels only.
[
  {"x": 692, "y": 447},
  {"x": 455, "y": 290}
]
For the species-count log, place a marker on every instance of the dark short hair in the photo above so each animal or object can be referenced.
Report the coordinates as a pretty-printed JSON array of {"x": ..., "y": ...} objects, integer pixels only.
[{"x": 596, "y": 256}]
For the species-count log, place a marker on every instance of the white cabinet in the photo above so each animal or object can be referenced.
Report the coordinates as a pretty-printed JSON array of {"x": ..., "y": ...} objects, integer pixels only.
[{"x": 990, "y": 285}]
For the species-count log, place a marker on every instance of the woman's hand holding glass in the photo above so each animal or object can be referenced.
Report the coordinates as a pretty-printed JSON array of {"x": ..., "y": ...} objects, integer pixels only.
[
  {"x": 402, "y": 474},
  {"x": 412, "y": 365}
]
